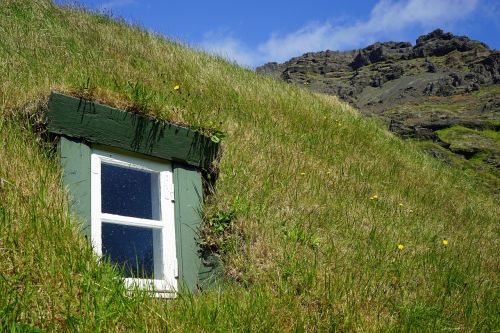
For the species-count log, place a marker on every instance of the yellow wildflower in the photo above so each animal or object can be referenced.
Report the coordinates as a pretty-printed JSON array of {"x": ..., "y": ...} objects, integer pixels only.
[
  {"x": 302, "y": 173},
  {"x": 401, "y": 204},
  {"x": 177, "y": 87},
  {"x": 374, "y": 197},
  {"x": 445, "y": 242},
  {"x": 401, "y": 246}
]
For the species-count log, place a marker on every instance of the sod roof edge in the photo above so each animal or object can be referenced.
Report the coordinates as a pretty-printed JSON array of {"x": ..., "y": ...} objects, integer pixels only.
[{"x": 96, "y": 123}]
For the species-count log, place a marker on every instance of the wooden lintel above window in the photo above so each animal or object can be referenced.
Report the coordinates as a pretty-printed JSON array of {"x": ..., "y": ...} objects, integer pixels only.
[{"x": 95, "y": 123}]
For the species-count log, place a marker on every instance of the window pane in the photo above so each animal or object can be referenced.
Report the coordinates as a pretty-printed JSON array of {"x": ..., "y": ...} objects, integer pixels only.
[
  {"x": 129, "y": 192},
  {"x": 133, "y": 249}
]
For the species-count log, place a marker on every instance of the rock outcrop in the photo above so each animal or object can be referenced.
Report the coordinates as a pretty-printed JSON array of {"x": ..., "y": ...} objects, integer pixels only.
[
  {"x": 440, "y": 63},
  {"x": 419, "y": 90}
]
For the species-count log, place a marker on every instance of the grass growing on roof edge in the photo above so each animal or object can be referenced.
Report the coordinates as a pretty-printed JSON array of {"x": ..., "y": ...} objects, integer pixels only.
[{"x": 327, "y": 197}]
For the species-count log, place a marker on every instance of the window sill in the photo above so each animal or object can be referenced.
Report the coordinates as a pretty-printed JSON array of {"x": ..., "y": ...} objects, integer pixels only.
[{"x": 158, "y": 288}]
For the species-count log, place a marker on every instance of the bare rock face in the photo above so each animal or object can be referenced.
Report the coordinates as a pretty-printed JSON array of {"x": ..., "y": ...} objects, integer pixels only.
[
  {"x": 442, "y": 64},
  {"x": 438, "y": 43},
  {"x": 442, "y": 82},
  {"x": 380, "y": 52}
]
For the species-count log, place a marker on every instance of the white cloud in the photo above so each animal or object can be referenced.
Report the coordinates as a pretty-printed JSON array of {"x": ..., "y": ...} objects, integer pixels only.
[
  {"x": 388, "y": 19},
  {"x": 115, "y": 3},
  {"x": 227, "y": 47}
]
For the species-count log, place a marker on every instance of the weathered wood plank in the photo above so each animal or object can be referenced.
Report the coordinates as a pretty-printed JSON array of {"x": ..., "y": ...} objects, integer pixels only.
[
  {"x": 75, "y": 163},
  {"x": 96, "y": 123},
  {"x": 188, "y": 199}
]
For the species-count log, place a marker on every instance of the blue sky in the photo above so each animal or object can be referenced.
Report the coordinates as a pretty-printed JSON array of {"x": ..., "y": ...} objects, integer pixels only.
[{"x": 255, "y": 32}]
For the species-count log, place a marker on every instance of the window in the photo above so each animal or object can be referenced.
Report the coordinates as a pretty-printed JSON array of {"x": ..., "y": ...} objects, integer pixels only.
[
  {"x": 121, "y": 189},
  {"x": 132, "y": 218}
]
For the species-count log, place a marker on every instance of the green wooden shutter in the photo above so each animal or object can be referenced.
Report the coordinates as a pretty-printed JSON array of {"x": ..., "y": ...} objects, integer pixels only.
[
  {"x": 188, "y": 200},
  {"x": 196, "y": 270},
  {"x": 75, "y": 163}
]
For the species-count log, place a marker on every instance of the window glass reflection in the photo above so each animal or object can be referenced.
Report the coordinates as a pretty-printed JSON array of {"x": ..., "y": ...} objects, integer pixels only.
[
  {"x": 129, "y": 192},
  {"x": 132, "y": 249}
]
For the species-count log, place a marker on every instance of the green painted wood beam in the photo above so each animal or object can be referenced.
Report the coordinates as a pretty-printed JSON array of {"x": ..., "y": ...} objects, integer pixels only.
[
  {"x": 188, "y": 200},
  {"x": 197, "y": 270},
  {"x": 96, "y": 123},
  {"x": 75, "y": 163}
]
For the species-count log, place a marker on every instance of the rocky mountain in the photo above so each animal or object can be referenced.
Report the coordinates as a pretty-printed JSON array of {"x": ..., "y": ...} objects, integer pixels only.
[{"x": 444, "y": 91}]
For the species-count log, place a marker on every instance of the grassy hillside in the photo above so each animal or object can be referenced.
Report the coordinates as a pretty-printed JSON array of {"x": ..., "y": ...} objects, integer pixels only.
[
  {"x": 339, "y": 225},
  {"x": 442, "y": 81}
]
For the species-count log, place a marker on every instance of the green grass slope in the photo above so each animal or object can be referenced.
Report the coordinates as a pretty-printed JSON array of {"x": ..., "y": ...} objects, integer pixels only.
[{"x": 323, "y": 198}]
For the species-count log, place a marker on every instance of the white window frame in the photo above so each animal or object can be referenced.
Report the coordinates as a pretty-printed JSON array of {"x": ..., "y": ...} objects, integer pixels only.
[{"x": 167, "y": 286}]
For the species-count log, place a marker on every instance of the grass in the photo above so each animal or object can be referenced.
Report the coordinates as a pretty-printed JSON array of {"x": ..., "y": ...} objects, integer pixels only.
[
  {"x": 481, "y": 148},
  {"x": 467, "y": 139},
  {"x": 455, "y": 107},
  {"x": 317, "y": 253},
  {"x": 476, "y": 166},
  {"x": 486, "y": 91}
]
